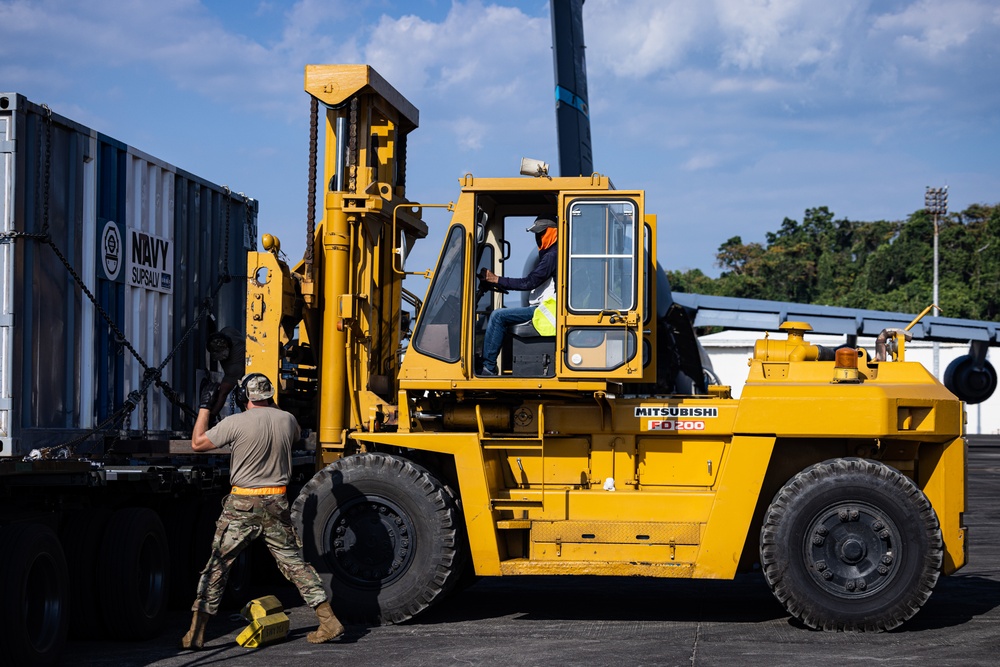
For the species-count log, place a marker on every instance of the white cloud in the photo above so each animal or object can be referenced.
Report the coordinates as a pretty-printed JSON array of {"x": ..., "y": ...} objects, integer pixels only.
[
  {"x": 469, "y": 132},
  {"x": 781, "y": 34},
  {"x": 931, "y": 28},
  {"x": 639, "y": 38},
  {"x": 747, "y": 85},
  {"x": 701, "y": 161},
  {"x": 476, "y": 49}
]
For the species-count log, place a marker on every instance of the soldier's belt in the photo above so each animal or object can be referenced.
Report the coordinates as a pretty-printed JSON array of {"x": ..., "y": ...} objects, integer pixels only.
[{"x": 260, "y": 491}]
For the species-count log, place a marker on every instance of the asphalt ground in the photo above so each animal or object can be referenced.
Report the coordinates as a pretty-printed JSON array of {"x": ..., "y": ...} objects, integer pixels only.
[{"x": 626, "y": 621}]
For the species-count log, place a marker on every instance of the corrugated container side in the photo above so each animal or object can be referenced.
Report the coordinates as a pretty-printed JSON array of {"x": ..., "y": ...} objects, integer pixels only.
[
  {"x": 149, "y": 241},
  {"x": 6, "y": 274}
]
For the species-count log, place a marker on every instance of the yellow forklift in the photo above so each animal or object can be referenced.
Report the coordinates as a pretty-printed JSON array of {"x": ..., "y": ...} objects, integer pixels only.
[{"x": 608, "y": 448}]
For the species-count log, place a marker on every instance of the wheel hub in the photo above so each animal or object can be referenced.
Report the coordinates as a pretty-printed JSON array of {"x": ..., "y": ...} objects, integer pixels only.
[
  {"x": 370, "y": 542},
  {"x": 851, "y": 549}
]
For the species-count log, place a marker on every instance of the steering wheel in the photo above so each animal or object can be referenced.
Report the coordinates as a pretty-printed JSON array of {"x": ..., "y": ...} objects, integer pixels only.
[{"x": 486, "y": 286}]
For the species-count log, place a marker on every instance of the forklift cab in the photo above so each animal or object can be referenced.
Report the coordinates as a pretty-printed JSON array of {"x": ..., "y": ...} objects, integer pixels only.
[
  {"x": 506, "y": 247},
  {"x": 602, "y": 322}
]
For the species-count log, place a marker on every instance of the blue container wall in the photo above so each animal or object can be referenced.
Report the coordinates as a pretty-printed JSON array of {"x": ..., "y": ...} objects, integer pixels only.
[
  {"x": 109, "y": 352},
  {"x": 47, "y": 301},
  {"x": 212, "y": 234},
  {"x": 69, "y": 370}
]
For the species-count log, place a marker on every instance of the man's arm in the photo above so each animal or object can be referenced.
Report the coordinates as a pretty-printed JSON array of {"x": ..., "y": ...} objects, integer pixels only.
[
  {"x": 544, "y": 269},
  {"x": 220, "y": 401},
  {"x": 208, "y": 394},
  {"x": 200, "y": 441}
]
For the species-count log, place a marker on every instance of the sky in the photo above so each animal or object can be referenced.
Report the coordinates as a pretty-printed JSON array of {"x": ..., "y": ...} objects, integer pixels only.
[{"x": 730, "y": 114}]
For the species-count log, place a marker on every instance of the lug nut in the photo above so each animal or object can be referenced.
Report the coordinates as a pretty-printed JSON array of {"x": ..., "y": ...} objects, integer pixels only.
[
  {"x": 850, "y": 585},
  {"x": 883, "y": 570},
  {"x": 827, "y": 575},
  {"x": 818, "y": 540},
  {"x": 820, "y": 565}
]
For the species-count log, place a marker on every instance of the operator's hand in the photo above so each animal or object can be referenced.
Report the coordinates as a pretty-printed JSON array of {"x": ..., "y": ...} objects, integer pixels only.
[
  {"x": 208, "y": 394},
  {"x": 490, "y": 277}
]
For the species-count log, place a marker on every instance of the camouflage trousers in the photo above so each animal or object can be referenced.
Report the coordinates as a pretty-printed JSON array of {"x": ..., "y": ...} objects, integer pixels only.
[{"x": 244, "y": 519}]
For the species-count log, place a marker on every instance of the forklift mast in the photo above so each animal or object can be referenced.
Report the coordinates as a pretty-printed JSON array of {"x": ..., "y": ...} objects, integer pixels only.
[{"x": 335, "y": 341}]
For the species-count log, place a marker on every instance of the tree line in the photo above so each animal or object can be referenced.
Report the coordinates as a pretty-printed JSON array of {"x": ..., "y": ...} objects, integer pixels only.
[{"x": 883, "y": 265}]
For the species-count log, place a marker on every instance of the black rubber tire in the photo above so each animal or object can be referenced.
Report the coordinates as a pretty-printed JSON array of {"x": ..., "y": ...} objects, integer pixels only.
[
  {"x": 134, "y": 574},
  {"x": 384, "y": 535},
  {"x": 970, "y": 385},
  {"x": 178, "y": 517},
  {"x": 82, "y": 534},
  {"x": 852, "y": 545},
  {"x": 34, "y": 590}
]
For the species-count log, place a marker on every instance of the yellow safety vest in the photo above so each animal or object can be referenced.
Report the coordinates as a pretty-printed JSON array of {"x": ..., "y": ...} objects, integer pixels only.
[{"x": 544, "y": 317}]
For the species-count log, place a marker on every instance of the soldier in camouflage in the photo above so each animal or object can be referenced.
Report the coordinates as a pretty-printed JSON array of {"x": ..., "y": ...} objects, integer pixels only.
[{"x": 261, "y": 439}]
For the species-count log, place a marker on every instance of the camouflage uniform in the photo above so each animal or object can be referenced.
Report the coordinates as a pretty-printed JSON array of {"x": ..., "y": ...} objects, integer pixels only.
[{"x": 243, "y": 519}]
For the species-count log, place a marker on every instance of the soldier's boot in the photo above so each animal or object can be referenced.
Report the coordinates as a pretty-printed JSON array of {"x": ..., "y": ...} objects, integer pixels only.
[
  {"x": 194, "y": 640},
  {"x": 329, "y": 627}
]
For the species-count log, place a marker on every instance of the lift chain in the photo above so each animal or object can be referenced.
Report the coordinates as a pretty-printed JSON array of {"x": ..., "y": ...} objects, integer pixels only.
[
  {"x": 311, "y": 194},
  {"x": 352, "y": 148}
]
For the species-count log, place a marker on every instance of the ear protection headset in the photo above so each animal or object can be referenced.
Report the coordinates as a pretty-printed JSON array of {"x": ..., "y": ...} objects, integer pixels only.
[{"x": 240, "y": 393}]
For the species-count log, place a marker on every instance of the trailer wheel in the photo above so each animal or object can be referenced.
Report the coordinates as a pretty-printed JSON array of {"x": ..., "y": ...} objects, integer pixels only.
[
  {"x": 34, "y": 589},
  {"x": 177, "y": 521},
  {"x": 383, "y": 533},
  {"x": 851, "y": 544},
  {"x": 82, "y": 534},
  {"x": 133, "y": 574}
]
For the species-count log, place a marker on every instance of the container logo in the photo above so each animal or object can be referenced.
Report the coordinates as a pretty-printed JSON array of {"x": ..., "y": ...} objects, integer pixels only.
[
  {"x": 111, "y": 250},
  {"x": 150, "y": 259}
]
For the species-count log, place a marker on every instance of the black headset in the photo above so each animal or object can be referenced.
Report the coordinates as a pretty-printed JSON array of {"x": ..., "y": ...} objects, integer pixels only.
[{"x": 240, "y": 393}]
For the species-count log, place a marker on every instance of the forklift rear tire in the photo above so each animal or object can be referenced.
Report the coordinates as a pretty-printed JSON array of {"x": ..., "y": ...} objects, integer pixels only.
[
  {"x": 384, "y": 535},
  {"x": 851, "y": 545},
  {"x": 34, "y": 589}
]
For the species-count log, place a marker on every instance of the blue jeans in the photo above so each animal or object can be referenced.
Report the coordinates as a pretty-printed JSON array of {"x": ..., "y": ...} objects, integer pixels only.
[{"x": 496, "y": 329}]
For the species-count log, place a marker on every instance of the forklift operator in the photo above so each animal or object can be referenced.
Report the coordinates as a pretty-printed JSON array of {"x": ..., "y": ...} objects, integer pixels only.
[{"x": 541, "y": 288}]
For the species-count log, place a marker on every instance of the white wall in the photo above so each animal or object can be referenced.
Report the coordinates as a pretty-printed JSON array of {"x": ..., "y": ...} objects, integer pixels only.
[{"x": 730, "y": 352}]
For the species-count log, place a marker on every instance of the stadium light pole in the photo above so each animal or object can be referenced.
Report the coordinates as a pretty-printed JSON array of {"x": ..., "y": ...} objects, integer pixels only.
[{"x": 936, "y": 203}]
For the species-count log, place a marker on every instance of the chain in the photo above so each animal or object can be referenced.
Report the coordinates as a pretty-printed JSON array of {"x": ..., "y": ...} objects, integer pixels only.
[
  {"x": 401, "y": 162},
  {"x": 225, "y": 240},
  {"x": 144, "y": 420},
  {"x": 352, "y": 148},
  {"x": 311, "y": 194}
]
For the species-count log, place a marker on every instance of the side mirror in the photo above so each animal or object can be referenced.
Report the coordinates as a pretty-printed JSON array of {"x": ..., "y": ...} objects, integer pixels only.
[{"x": 481, "y": 227}]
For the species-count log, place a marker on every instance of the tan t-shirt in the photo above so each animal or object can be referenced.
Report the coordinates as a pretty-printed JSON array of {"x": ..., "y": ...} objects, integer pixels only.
[{"x": 262, "y": 440}]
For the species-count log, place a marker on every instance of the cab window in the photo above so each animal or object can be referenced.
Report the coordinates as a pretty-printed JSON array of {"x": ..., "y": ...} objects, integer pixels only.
[
  {"x": 602, "y": 238},
  {"x": 439, "y": 332}
]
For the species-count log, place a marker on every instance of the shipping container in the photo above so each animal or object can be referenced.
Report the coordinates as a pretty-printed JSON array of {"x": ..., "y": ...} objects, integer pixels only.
[{"x": 107, "y": 257}]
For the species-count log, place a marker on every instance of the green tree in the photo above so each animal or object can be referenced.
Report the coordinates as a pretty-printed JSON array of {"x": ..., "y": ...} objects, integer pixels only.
[{"x": 882, "y": 265}]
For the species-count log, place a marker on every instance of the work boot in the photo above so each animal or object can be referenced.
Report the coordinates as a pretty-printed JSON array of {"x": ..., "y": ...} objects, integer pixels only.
[
  {"x": 194, "y": 640},
  {"x": 329, "y": 627}
]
